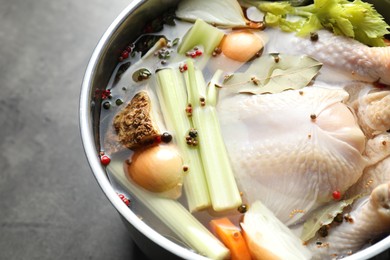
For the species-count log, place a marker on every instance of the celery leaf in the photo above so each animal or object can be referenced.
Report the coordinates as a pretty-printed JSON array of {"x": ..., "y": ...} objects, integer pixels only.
[{"x": 356, "y": 19}]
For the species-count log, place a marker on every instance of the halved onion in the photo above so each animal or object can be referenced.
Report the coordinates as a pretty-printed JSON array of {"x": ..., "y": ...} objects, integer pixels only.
[
  {"x": 157, "y": 169},
  {"x": 241, "y": 45}
]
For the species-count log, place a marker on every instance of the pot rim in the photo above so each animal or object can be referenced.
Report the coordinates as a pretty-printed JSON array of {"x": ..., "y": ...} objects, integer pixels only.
[{"x": 87, "y": 134}]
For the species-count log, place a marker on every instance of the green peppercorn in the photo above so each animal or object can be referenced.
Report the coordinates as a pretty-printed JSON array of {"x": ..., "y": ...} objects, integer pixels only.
[
  {"x": 119, "y": 102},
  {"x": 175, "y": 41}
]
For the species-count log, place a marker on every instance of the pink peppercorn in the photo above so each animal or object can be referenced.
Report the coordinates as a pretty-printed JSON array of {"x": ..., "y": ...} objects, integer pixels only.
[
  {"x": 124, "y": 199},
  {"x": 105, "y": 160},
  {"x": 125, "y": 54},
  {"x": 336, "y": 195},
  {"x": 198, "y": 52}
]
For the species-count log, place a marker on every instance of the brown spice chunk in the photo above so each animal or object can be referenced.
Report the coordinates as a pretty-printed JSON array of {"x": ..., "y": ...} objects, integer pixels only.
[{"x": 134, "y": 124}]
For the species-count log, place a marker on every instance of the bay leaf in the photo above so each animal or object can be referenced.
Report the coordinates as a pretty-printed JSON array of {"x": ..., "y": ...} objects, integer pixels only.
[
  {"x": 274, "y": 73},
  {"x": 323, "y": 216}
]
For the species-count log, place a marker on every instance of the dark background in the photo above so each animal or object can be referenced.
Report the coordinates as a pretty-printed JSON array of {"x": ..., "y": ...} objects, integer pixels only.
[{"x": 50, "y": 204}]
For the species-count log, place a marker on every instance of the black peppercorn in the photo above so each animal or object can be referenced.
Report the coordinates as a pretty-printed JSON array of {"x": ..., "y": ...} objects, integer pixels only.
[
  {"x": 193, "y": 133},
  {"x": 166, "y": 137},
  {"x": 106, "y": 105},
  {"x": 338, "y": 218},
  {"x": 323, "y": 231},
  {"x": 242, "y": 208},
  {"x": 314, "y": 36}
]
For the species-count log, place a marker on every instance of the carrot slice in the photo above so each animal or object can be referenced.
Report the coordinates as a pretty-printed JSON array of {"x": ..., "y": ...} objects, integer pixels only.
[{"x": 231, "y": 237}]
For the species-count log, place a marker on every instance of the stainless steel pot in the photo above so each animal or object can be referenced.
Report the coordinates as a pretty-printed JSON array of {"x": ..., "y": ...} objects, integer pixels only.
[{"x": 125, "y": 28}]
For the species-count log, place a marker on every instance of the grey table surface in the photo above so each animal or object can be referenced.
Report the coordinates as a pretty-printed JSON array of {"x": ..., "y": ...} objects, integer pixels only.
[{"x": 50, "y": 204}]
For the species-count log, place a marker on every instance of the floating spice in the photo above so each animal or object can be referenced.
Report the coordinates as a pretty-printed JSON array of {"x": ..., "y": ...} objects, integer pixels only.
[
  {"x": 276, "y": 57},
  {"x": 243, "y": 208},
  {"x": 175, "y": 41},
  {"x": 124, "y": 199},
  {"x": 183, "y": 67},
  {"x": 338, "y": 218},
  {"x": 255, "y": 81},
  {"x": 135, "y": 124},
  {"x": 141, "y": 74},
  {"x": 226, "y": 78},
  {"x": 105, "y": 160},
  {"x": 125, "y": 54},
  {"x": 193, "y": 133},
  {"x": 194, "y": 53},
  {"x": 103, "y": 93},
  {"x": 314, "y": 36},
  {"x": 106, "y": 105},
  {"x": 217, "y": 51},
  {"x": 164, "y": 53},
  {"x": 192, "y": 137},
  {"x": 166, "y": 137},
  {"x": 118, "y": 101},
  {"x": 202, "y": 101},
  {"x": 189, "y": 110},
  {"x": 323, "y": 231},
  {"x": 348, "y": 218},
  {"x": 336, "y": 195}
]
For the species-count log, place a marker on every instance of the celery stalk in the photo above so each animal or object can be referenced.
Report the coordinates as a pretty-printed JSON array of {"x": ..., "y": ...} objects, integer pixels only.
[
  {"x": 171, "y": 92},
  {"x": 223, "y": 189},
  {"x": 201, "y": 33},
  {"x": 175, "y": 216},
  {"x": 212, "y": 89}
]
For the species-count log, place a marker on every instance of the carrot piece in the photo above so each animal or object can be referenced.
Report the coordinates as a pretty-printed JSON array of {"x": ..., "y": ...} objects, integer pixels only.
[{"x": 231, "y": 237}]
